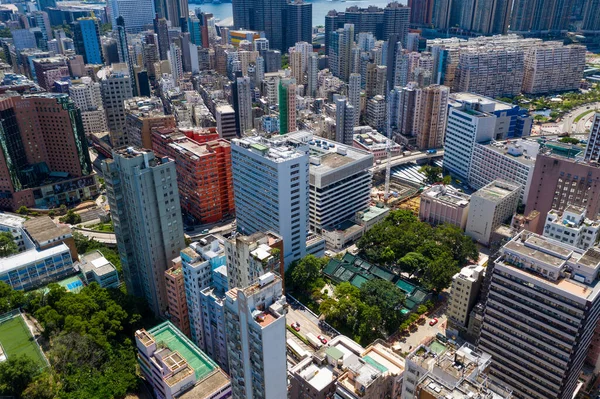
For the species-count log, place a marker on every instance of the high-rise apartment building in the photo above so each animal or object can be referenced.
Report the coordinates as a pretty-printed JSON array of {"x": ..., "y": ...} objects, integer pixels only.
[
  {"x": 86, "y": 38},
  {"x": 344, "y": 120},
  {"x": 270, "y": 183},
  {"x": 225, "y": 116},
  {"x": 354, "y": 87},
  {"x": 592, "y": 149},
  {"x": 142, "y": 116},
  {"x": 249, "y": 257},
  {"x": 591, "y": 18},
  {"x": 487, "y": 17},
  {"x": 464, "y": 292},
  {"x": 115, "y": 84},
  {"x": 376, "y": 113},
  {"x": 176, "y": 62},
  {"x": 572, "y": 227},
  {"x": 88, "y": 98},
  {"x": 242, "y": 104},
  {"x": 144, "y": 202},
  {"x": 297, "y": 23},
  {"x": 430, "y": 114},
  {"x": 177, "y": 10},
  {"x": 137, "y": 14},
  {"x": 312, "y": 71},
  {"x": 396, "y": 20},
  {"x": 541, "y": 309},
  {"x": 45, "y": 160},
  {"x": 177, "y": 309},
  {"x": 256, "y": 339},
  {"x": 553, "y": 67},
  {"x": 212, "y": 313},
  {"x": 541, "y": 15},
  {"x": 161, "y": 27},
  {"x": 48, "y": 70},
  {"x": 287, "y": 106},
  {"x": 421, "y": 12},
  {"x": 491, "y": 206},
  {"x": 559, "y": 180},
  {"x": 203, "y": 173}
]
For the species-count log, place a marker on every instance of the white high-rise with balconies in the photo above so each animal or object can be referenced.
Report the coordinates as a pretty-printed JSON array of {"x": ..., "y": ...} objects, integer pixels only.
[{"x": 87, "y": 95}]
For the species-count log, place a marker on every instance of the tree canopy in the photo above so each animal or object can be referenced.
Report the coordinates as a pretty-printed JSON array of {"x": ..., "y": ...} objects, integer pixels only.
[
  {"x": 404, "y": 244},
  {"x": 433, "y": 174},
  {"x": 8, "y": 246},
  {"x": 304, "y": 276}
]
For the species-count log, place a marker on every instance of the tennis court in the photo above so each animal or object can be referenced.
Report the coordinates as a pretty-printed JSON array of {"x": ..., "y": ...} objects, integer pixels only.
[
  {"x": 72, "y": 284},
  {"x": 16, "y": 339}
]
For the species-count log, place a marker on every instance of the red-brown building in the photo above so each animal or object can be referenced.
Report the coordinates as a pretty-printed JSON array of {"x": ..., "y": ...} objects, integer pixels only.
[
  {"x": 177, "y": 304},
  {"x": 203, "y": 173}
]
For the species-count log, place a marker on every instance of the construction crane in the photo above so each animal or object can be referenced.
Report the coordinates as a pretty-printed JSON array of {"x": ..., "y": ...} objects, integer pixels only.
[{"x": 388, "y": 148}]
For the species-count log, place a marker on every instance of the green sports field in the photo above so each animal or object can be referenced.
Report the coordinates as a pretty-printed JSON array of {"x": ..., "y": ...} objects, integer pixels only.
[{"x": 16, "y": 339}]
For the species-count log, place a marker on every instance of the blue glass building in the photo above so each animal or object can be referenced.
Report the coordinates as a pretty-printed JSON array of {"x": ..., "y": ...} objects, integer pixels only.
[{"x": 86, "y": 32}]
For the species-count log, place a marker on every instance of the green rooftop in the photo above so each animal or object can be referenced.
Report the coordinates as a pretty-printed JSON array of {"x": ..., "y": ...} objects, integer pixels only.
[
  {"x": 334, "y": 352},
  {"x": 375, "y": 364},
  {"x": 174, "y": 339}
]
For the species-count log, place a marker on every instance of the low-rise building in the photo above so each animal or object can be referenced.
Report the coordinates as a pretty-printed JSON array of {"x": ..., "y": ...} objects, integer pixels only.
[
  {"x": 444, "y": 204},
  {"x": 572, "y": 227},
  {"x": 341, "y": 235},
  {"x": 368, "y": 139},
  {"x": 490, "y": 207},
  {"x": 96, "y": 268},
  {"x": 175, "y": 368},
  {"x": 142, "y": 116}
]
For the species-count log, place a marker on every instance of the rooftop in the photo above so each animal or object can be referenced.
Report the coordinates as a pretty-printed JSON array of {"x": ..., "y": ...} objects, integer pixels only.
[
  {"x": 9, "y": 220},
  {"x": 373, "y": 212},
  {"x": 521, "y": 150},
  {"x": 168, "y": 335},
  {"x": 31, "y": 256},
  {"x": 497, "y": 190},
  {"x": 277, "y": 150},
  {"x": 42, "y": 229},
  {"x": 447, "y": 194},
  {"x": 208, "y": 386},
  {"x": 96, "y": 262},
  {"x": 473, "y": 97}
]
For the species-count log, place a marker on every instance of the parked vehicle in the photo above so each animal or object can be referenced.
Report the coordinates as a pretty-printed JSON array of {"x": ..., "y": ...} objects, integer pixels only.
[
  {"x": 433, "y": 322},
  {"x": 322, "y": 339},
  {"x": 432, "y": 151},
  {"x": 295, "y": 326},
  {"x": 314, "y": 341}
]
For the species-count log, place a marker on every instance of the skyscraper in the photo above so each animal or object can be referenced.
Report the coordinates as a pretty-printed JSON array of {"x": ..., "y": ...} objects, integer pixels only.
[
  {"x": 297, "y": 23},
  {"x": 137, "y": 14},
  {"x": 176, "y": 62},
  {"x": 592, "y": 149},
  {"x": 262, "y": 15},
  {"x": 256, "y": 339},
  {"x": 177, "y": 9},
  {"x": 591, "y": 17},
  {"x": 344, "y": 120},
  {"x": 311, "y": 75},
  {"x": 124, "y": 56},
  {"x": 431, "y": 111},
  {"x": 42, "y": 134},
  {"x": 115, "y": 84},
  {"x": 242, "y": 104},
  {"x": 144, "y": 200},
  {"x": 86, "y": 38},
  {"x": 354, "y": 96},
  {"x": 541, "y": 15},
  {"x": 88, "y": 98},
  {"x": 287, "y": 106},
  {"x": 276, "y": 200},
  {"x": 421, "y": 11},
  {"x": 541, "y": 307},
  {"x": 161, "y": 28},
  {"x": 486, "y": 17},
  {"x": 396, "y": 19}
]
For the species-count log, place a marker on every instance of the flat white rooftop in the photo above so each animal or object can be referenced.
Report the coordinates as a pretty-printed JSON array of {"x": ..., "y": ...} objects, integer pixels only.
[{"x": 31, "y": 256}]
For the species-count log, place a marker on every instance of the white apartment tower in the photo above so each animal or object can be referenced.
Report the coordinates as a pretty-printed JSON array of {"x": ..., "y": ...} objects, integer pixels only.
[
  {"x": 144, "y": 202},
  {"x": 87, "y": 95},
  {"x": 466, "y": 285},
  {"x": 541, "y": 308},
  {"x": 256, "y": 339},
  {"x": 572, "y": 227},
  {"x": 270, "y": 184},
  {"x": 176, "y": 62},
  {"x": 354, "y": 96},
  {"x": 115, "y": 86},
  {"x": 490, "y": 207},
  {"x": 312, "y": 72}
]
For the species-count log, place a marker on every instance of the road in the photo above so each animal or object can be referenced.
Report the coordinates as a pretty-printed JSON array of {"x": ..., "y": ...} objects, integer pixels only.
[
  {"x": 399, "y": 160},
  {"x": 424, "y": 330},
  {"x": 580, "y": 126},
  {"x": 105, "y": 238},
  {"x": 308, "y": 322},
  {"x": 214, "y": 228}
]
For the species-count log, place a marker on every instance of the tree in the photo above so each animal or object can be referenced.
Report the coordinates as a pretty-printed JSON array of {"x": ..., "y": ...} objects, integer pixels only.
[
  {"x": 10, "y": 299},
  {"x": 5, "y": 32},
  {"x": 439, "y": 273},
  {"x": 388, "y": 298},
  {"x": 16, "y": 373},
  {"x": 569, "y": 140},
  {"x": 304, "y": 275},
  {"x": 412, "y": 263},
  {"x": 23, "y": 210},
  {"x": 71, "y": 217},
  {"x": 8, "y": 246},
  {"x": 433, "y": 174},
  {"x": 45, "y": 386}
]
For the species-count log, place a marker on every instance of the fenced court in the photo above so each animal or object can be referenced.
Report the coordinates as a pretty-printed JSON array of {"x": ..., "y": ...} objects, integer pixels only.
[{"x": 16, "y": 339}]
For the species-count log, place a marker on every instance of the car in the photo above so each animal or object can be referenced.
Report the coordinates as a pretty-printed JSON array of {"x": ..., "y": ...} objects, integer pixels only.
[
  {"x": 295, "y": 326},
  {"x": 322, "y": 339},
  {"x": 205, "y": 231},
  {"x": 433, "y": 322}
]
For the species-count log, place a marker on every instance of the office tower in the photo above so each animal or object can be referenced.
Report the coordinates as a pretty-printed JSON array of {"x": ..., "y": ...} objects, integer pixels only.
[
  {"x": 110, "y": 50},
  {"x": 256, "y": 339},
  {"x": 137, "y": 14},
  {"x": 177, "y": 9},
  {"x": 177, "y": 310},
  {"x": 48, "y": 70},
  {"x": 591, "y": 18},
  {"x": 559, "y": 180},
  {"x": 421, "y": 12},
  {"x": 431, "y": 111},
  {"x": 43, "y": 135},
  {"x": 311, "y": 75},
  {"x": 465, "y": 289},
  {"x": 174, "y": 367},
  {"x": 249, "y": 257},
  {"x": 396, "y": 19},
  {"x": 532, "y": 275},
  {"x": 115, "y": 84},
  {"x": 592, "y": 149},
  {"x": 43, "y": 23},
  {"x": 144, "y": 201},
  {"x": 161, "y": 28},
  {"x": 466, "y": 126},
  {"x": 272, "y": 60},
  {"x": 124, "y": 56},
  {"x": 242, "y": 104},
  {"x": 376, "y": 113},
  {"x": 344, "y": 120},
  {"x": 195, "y": 29},
  {"x": 552, "y": 67},
  {"x": 540, "y": 15},
  {"x": 297, "y": 23},
  {"x": 86, "y": 37},
  {"x": 259, "y": 15},
  {"x": 87, "y": 97},
  {"x": 175, "y": 62},
  {"x": 287, "y": 106},
  {"x": 23, "y": 38},
  {"x": 513, "y": 160},
  {"x": 490, "y": 207},
  {"x": 203, "y": 173},
  {"x": 354, "y": 96},
  {"x": 285, "y": 210},
  {"x": 44, "y": 4},
  {"x": 333, "y": 21},
  {"x": 226, "y": 125},
  {"x": 142, "y": 116},
  {"x": 572, "y": 227}
]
